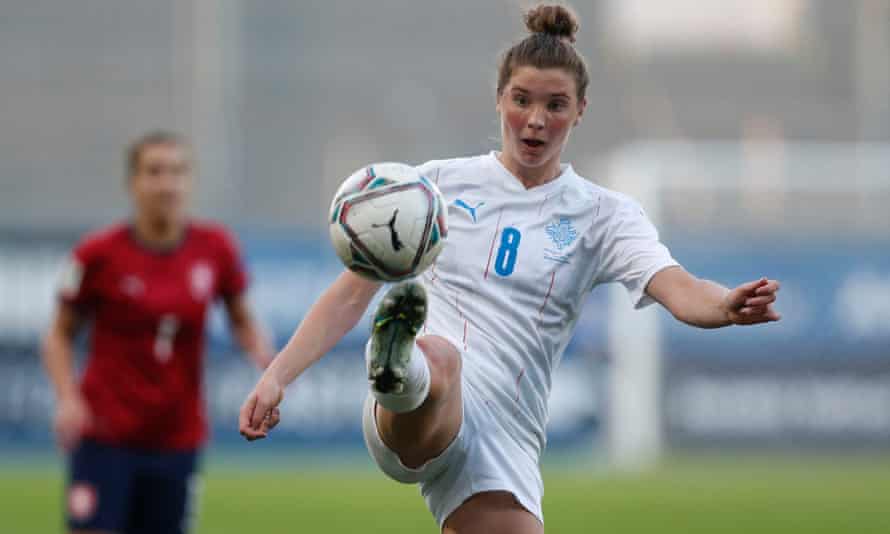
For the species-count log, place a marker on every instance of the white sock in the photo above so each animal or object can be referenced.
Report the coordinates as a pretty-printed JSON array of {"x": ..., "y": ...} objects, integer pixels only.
[{"x": 417, "y": 384}]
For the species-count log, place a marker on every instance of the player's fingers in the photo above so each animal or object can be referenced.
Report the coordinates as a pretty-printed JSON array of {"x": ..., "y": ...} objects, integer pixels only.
[
  {"x": 273, "y": 418},
  {"x": 259, "y": 413},
  {"x": 245, "y": 416},
  {"x": 752, "y": 311},
  {"x": 250, "y": 432},
  {"x": 757, "y": 314},
  {"x": 737, "y": 296},
  {"x": 752, "y": 286},
  {"x": 770, "y": 288},
  {"x": 760, "y": 301},
  {"x": 270, "y": 420},
  {"x": 253, "y": 435}
]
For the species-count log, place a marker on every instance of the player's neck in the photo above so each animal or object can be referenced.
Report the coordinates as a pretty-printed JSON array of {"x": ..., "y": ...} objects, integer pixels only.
[
  {"x": 531, "y": 177},
  {"x": 159, "y": 234}
]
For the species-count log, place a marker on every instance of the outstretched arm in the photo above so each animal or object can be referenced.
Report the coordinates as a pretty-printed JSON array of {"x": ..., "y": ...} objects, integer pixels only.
[
  {"x": 334, "y": 314},
  {"x": 707, "y": 304}
]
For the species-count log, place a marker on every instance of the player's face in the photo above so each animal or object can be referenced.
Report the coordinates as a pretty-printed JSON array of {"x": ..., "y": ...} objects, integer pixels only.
[
  {"x": 161, "y": 183},
  {"x": 538, "y": 109}
]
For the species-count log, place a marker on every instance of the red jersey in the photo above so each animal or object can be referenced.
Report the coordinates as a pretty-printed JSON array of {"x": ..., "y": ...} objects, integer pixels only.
[{"x": 143, "y": 379}]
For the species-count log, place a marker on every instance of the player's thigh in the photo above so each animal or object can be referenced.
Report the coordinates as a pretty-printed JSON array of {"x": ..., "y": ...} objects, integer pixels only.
[
  {"x": 97, "y": 497},
  {"x": 422, "y": 434},
  {"x": 492, "y": 512},
  {"x": 164, "y": 495}
]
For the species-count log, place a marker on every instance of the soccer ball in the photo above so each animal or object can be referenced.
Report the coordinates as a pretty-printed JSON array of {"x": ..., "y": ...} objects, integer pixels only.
[{"x": 388, "y": 222}]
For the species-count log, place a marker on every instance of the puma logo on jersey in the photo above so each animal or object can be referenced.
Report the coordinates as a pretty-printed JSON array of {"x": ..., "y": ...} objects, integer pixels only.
[
  {"x": 394, "y": 236},
  {"x": 470, "y": 209}
]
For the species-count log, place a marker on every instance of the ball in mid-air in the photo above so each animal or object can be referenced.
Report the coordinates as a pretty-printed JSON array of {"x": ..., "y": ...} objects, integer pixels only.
[{"x": 388, "y": 222}]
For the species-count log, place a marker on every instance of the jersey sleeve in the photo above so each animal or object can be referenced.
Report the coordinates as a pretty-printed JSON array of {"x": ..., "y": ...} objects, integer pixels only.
[
  {"x": 632, "y": 253},
  {"x": 76, "y": 284},
  {"x": 233, "y": 277},
  {"x": 431, "y": 169}
]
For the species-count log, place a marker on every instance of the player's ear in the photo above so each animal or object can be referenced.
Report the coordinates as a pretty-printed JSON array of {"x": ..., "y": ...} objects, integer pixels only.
[{"x": 582, "y": 105}]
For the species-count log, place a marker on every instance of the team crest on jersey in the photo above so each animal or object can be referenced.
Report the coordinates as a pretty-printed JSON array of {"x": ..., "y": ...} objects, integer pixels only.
[
  {"x": 201, "y": 280},
  {"x": 562, "y": 233},
  {"x": 132, "y": 286}
]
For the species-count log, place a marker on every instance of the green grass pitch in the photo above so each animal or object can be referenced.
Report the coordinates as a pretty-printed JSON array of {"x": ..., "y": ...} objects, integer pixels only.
[{"x": 749, "y": 495}]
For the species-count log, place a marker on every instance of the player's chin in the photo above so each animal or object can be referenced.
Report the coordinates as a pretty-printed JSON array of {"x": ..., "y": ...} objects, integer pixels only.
[
  {"x": 532, "y": 161},
  {"x": 169, "y": 212}
]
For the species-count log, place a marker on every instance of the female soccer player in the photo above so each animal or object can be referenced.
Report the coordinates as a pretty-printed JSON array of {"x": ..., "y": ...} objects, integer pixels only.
[
  {"x": 135, "y": 423},
  {"x": 462, "y": 409}
]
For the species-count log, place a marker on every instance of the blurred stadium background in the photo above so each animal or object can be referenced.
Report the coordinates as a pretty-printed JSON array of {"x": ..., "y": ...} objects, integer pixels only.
[{"x": 755, "y": 132}]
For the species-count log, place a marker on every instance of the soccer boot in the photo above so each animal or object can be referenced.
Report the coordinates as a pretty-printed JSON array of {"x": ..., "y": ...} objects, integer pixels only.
[{"x": 399, "y": 317}]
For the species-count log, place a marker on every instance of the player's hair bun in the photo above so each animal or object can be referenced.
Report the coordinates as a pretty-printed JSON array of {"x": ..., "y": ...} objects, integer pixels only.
[{"x": 554, "y": 20}]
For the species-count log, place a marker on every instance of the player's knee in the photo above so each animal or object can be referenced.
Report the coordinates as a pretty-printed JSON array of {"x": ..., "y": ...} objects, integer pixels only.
[{"x": 445, "y": 364}]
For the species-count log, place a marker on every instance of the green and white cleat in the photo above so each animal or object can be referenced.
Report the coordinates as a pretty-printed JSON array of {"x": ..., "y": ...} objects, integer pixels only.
[{"x": 399, "y": 317}]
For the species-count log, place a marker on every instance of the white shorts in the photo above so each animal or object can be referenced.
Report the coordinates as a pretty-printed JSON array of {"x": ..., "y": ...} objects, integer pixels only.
[{"x": 483, "y": 457}]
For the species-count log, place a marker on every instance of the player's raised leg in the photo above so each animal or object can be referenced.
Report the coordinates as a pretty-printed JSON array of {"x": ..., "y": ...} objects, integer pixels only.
[{"x": 416, "y": 383}]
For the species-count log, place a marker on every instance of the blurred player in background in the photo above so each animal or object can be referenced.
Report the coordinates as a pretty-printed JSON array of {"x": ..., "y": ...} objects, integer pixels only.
[
  {"x": 463, "y": 410},
  {"x": 135, "y": 423}
]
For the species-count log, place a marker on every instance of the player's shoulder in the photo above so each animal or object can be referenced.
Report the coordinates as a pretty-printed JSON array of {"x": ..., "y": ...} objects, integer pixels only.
[
  {"x": 212, "y": 230},
  {"x": 101, "y": 240},
  {"x": 606, "y": 202},
  {"x": 213, "y": 235},
  {"x": 438, "y": 170}
]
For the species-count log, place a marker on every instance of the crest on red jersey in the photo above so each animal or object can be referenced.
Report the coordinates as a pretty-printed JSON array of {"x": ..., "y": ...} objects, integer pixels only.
[
  {"x": 201, "y": 280},
  {"x": 132, "y": 286}
]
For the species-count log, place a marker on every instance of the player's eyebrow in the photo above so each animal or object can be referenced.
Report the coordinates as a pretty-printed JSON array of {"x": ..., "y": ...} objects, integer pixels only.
[{"x": 523, "y": 90}]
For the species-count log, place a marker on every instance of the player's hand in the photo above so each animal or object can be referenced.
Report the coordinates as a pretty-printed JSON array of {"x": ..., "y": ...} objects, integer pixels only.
[
  {"x": 260, "y": 413},
  {"x": 72, "y": 418},
  {"x": 752, "y": 303}
]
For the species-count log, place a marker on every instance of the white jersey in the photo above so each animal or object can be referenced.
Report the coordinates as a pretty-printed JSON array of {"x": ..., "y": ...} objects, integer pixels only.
[{"x": 509, "y": 284}]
